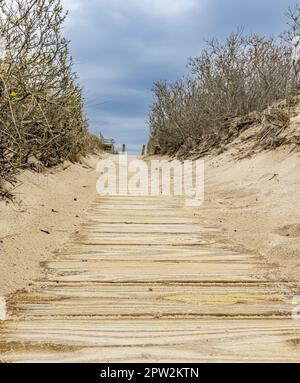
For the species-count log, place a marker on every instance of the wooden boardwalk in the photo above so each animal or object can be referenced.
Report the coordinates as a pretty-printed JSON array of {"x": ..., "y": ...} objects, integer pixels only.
[{"x": 141, "y": 282}]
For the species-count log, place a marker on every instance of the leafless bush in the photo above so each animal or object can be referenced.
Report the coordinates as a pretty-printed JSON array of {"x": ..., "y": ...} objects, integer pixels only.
[
  {"x": 41, "y": 105},
  {"x": 175, "y": 114},
  {"x": 293, "y": 16},
  {"x": 229, "y": 79}
]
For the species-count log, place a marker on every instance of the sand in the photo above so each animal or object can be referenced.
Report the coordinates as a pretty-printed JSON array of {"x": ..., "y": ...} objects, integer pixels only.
[
  {"x": 48, "y": 208},
  {"x": 257, "y": 202}
]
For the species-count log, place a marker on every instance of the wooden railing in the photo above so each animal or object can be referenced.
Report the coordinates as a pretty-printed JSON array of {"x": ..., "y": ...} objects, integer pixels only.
[{"x": 108, "y": 143}]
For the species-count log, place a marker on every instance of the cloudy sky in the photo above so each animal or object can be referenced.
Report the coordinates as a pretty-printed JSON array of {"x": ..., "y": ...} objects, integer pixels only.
[{"x": 121, "y": 47}]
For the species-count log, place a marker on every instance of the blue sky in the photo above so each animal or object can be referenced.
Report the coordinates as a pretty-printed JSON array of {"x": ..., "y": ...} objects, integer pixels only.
[{"x": 121, "y": 47}]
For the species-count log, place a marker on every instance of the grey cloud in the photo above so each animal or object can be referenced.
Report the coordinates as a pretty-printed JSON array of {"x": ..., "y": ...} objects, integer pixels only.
[{"x": 121, "y": 47}]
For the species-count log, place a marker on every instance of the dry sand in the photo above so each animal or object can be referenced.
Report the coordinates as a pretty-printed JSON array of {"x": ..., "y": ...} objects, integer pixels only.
[
  {"x": 53, "y": 202},
  {"x": 257, "y": 202}
]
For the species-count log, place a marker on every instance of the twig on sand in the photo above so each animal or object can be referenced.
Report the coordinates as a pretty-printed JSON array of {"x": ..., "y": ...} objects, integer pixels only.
[{"x": 45, "y": 231}]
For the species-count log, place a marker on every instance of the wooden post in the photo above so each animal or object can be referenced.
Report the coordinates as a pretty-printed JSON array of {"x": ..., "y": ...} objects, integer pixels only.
[
  {"x": 123, "y": 148},
  {"x": 144, "y": 150}
]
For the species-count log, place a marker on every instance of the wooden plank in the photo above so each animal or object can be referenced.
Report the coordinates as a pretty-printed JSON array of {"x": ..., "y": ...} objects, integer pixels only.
[
  {"x": 150, "y": 271},
  {"x": 149, "y": 239},
  {"x": 84, "y": 253},
  {"x": 156, "y": 301},
  {"x": 151, "y": 341},
  {"x": 95, "y": 227}
]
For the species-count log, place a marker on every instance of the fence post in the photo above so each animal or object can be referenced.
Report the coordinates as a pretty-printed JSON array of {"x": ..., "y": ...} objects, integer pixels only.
[{"x": 144, "y": 150}]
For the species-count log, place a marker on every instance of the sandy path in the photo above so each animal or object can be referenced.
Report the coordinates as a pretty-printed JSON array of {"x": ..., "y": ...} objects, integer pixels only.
[{"x": 143, "y": 280}]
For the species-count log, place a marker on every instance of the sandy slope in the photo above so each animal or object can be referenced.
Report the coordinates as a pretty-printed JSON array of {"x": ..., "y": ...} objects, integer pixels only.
[
  {"x": 255, "y": 194},
  {"x": 54, "y": 202},
  {"x": 257, "y": 201}
]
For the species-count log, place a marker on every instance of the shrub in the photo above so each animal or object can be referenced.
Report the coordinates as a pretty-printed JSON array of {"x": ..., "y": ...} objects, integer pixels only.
[
  {"x": 41, "y": 105},
  {"x": 229, "y": 79}
]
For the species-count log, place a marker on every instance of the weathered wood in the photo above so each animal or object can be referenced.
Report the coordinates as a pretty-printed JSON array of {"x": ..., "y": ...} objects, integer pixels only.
[
  {"x": 135, "y": 340},
  {"x": 144, "y": 280},
  {"x": 143, "y": 150},
  {"x": 140, "y": 301}
]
